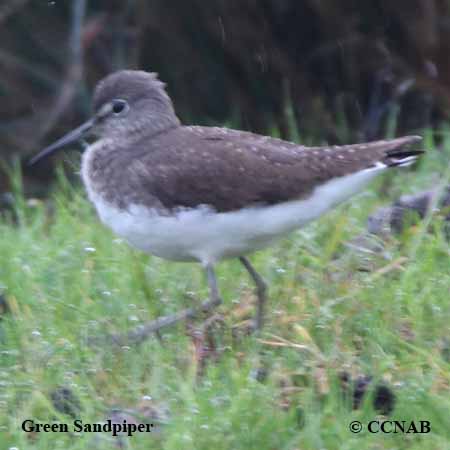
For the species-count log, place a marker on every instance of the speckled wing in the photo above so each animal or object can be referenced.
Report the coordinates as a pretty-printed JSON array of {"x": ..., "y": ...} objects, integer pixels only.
[{"x": 229, "y": 170}]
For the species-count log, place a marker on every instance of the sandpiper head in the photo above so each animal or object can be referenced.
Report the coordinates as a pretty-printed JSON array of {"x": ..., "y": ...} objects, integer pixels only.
[
  {"x": 132, "y": 101},
  {"x": 126, "y": 103}
]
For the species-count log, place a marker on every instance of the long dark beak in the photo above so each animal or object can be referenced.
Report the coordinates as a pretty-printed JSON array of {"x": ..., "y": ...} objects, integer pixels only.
[{"x": 73, "y": 136}]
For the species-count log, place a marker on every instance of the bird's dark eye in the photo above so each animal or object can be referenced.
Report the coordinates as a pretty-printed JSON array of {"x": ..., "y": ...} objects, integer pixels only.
[{"x": 119, "y": 106}]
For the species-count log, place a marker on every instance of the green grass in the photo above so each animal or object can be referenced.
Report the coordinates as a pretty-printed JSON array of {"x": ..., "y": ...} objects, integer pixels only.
[{"x": 69, "y": 281}]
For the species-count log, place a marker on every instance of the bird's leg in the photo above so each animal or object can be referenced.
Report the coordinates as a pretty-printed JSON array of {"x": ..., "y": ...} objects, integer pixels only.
[
  {"x": 214, "y": 296},
  {"x": 141, "y": 333},
  {"x": 261, "y": 288}
]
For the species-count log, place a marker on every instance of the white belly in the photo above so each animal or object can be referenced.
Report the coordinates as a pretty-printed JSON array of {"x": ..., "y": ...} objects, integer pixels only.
[{"x": 207, "y": 236}]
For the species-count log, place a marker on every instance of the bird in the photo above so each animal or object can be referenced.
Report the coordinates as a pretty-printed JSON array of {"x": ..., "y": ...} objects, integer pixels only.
[{"x": 205, "y": 194}]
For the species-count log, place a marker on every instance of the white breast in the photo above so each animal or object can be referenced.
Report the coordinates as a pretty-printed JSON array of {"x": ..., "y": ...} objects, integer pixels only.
[{"x": 207, "y": 236}]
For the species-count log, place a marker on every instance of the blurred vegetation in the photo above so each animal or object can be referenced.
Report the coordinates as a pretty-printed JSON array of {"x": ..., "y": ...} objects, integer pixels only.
[{"x": 339, "y": 71}]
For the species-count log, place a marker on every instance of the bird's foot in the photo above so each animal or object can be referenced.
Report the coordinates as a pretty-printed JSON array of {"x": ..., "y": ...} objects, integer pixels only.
[{"x": 141, "y": 333}]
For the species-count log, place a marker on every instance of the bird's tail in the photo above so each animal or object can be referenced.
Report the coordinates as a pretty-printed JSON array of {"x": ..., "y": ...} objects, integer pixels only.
[
  {"x": 403, "y": 158},
  {"x": 399, "y": 156}
]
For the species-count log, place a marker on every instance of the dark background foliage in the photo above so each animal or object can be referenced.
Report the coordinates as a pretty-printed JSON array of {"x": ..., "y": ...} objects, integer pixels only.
[{"x": 336, "y": 70}]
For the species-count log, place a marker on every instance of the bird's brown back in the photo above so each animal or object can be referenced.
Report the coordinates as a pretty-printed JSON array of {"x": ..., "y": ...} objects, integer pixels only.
[{"x": 228, "y": 169}]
